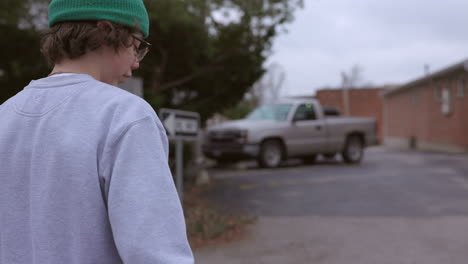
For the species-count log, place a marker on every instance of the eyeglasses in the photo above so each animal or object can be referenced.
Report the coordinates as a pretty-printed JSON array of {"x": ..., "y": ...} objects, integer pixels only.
[{"x": 142, "y": 50}]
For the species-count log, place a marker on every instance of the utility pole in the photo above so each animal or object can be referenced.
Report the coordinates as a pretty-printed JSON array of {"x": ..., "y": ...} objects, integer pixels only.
[{"x": 345, "y": 88}]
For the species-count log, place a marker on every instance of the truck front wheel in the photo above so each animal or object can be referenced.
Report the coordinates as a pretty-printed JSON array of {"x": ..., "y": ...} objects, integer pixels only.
[
  {"x": 271, "y": 154},
  {"x": 354, "y": 150}
]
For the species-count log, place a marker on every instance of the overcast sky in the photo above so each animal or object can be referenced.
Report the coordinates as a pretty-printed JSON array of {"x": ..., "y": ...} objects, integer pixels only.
[{"x": 391, "y": 40}]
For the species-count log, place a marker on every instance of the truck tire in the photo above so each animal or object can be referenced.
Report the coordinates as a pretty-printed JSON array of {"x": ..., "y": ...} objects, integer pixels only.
[
  {"x": 311, "y": 159},
  {"x": 329, "y": 156},
  {"x": 354, "y": 150},
  {"x": 224, "y": 162},
  {"x": 271, "y": 154}
]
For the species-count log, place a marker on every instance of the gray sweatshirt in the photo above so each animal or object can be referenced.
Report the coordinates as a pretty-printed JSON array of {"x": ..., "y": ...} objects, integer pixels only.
[{"x": 84, "y": 178}]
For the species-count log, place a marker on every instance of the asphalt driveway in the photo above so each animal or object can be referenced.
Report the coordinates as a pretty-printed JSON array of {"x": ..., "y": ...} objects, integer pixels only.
[{"x": 396, "y": 207}]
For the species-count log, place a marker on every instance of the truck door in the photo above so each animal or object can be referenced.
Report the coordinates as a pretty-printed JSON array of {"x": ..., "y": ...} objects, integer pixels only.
[{"x": 308, "y": 132}]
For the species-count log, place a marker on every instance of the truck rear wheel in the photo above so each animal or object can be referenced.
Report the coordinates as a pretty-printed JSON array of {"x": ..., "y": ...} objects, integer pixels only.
[
  {"x": 354, "y": 150},
  {"x": 271, "y": 154}
]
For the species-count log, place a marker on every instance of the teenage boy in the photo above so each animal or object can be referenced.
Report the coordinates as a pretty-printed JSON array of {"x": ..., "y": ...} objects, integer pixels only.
[{"x": 83, "y": 164}]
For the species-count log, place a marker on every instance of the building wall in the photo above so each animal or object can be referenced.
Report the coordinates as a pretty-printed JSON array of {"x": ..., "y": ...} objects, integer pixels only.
[
  {"x": 362, "y": 102},
  {"x": 414, "y": 115}
]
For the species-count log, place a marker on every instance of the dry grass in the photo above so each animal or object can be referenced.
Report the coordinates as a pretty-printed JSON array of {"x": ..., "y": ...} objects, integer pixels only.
[{"x": 206, "y": 225}]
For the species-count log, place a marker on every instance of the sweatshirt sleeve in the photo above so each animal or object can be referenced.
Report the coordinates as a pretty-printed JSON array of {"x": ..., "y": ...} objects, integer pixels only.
[{"x": 144, "y": 209}]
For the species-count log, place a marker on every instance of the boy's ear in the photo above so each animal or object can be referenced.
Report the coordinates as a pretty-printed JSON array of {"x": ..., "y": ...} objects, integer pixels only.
[{"x": 105, "y": 26}]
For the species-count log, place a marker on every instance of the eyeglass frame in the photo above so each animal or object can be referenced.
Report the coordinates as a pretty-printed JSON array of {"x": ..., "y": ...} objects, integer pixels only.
[{"x": 141, "y": 51}]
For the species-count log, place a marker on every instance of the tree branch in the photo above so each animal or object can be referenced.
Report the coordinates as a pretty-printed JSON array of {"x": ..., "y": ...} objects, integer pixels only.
[
  {"x": 188, "y": 78},
  {"x": 208, "y": 69}
]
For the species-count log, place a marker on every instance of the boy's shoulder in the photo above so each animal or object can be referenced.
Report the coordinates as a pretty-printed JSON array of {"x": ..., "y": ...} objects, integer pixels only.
[
  {"x": 117, "y": 95},
  {"x": 110, "y": 90},
  {"x": 121, "y": 103}
]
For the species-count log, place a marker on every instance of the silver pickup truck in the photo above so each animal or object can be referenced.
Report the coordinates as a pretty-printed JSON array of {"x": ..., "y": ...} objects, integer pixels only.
[{"x": 292, "y": 128}]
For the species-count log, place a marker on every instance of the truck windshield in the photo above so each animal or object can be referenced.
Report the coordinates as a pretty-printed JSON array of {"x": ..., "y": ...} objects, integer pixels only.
[{"x": 278, "y": 112}]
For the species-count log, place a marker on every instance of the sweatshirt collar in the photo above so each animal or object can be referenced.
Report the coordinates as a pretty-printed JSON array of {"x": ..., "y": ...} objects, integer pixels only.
[{"x": 60, "y": 80}]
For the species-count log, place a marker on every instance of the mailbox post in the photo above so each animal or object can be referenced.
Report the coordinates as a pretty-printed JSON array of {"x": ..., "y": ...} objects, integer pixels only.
[{"x": 180, "y": 126}]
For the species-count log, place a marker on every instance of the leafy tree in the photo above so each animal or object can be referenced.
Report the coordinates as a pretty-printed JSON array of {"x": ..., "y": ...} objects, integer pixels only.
[
  {"x": 31, "y": 14},
  {"x": 21, "y": 60},
  {"x": 208, "y": 53},
  {"x": 241, "y": 110},
  {"x": 19, "y": 45},
  {"x": 11, "y": 11},
  {"x": 265, "y": 90}
]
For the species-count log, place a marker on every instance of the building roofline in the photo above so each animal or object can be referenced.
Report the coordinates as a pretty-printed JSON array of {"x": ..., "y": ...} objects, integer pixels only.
[
  {"x": 461, "y": 65},
  {"x": 372, "y": 88}
]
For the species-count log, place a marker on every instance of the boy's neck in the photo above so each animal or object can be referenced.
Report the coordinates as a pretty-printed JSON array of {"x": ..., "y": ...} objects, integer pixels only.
[{"x": 85, "y": 65}]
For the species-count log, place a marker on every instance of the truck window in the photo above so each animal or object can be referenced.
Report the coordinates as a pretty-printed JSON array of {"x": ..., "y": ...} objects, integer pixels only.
[
  {"x": 278, "y": 112},
  {"x": 330, "y": 111},
  {"x": 305, "y": 112}
]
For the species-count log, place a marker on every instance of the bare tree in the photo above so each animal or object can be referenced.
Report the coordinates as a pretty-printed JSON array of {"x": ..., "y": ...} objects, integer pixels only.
[
  {"x": 353, "y": 78},
  {"x": 268, "y": 88}
]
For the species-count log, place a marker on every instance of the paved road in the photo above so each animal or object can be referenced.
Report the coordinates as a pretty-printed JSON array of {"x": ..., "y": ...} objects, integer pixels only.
[{"x": 396, "y": 207}]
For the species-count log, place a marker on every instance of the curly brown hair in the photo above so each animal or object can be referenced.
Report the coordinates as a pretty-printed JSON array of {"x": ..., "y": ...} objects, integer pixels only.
[{"x": 73, "y": 39}]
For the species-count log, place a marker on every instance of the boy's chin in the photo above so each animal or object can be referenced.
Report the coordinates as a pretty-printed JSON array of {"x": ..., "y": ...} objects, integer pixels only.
[{"x": 122, "y": 79}]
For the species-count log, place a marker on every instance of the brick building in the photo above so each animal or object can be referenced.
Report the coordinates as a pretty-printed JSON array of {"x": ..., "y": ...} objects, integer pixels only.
[
  {"x": 429, "y": 113},
  {"x": 361, "y": 102}
]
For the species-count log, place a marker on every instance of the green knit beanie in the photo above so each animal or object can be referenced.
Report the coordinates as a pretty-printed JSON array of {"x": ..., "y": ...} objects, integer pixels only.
[{"x": 127, "y": 12}]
